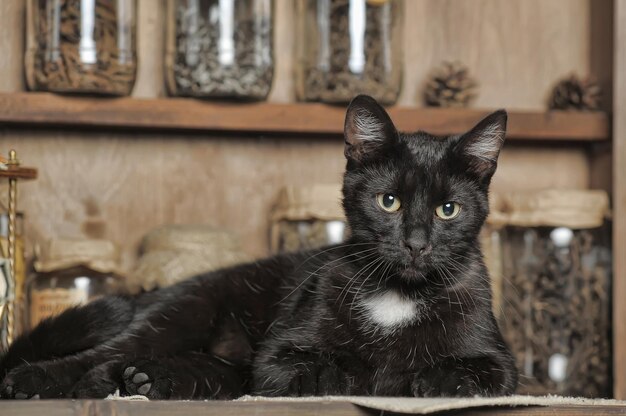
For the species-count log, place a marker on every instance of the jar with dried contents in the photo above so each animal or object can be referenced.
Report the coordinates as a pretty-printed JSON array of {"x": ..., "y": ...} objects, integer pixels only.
[
  {"x": 554, "y": 285},
  {"x": 71, "y": 273},
  {"x": 220, "y": 48},
  {"x": 81, "y": 46},
  {"x": 349, "y": 47},
  {"x": 305, "y": 218}
]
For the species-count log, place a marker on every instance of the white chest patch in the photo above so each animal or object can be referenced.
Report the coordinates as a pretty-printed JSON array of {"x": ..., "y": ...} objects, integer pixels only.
[{"x": 390, "y": 310}]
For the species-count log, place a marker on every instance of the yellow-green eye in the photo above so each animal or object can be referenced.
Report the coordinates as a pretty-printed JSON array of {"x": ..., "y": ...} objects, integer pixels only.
[
  {"x": 388, "y": 202},
  {"x": 448, "y": 210}
]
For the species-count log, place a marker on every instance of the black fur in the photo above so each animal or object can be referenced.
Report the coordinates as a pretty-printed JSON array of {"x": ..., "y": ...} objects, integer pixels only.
[{"x": 300, "y": 324}]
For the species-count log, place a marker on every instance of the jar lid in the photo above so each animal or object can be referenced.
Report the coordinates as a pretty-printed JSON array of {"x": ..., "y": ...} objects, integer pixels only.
[
  {"x": 318, "y": 202},
  {"x": 98, "y": 255},
  {"x": 576, "y": 209}
]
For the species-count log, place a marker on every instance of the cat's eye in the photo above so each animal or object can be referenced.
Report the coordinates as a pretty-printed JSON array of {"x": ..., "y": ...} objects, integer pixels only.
[
  {"x": 388, "y": 202},
  {"x": 448, "y": 210}
]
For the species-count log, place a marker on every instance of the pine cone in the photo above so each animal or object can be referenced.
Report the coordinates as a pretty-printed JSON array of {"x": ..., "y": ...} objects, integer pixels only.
[
  {"x": 450, "y": 86},
  {"x": 573, "y": 93}
]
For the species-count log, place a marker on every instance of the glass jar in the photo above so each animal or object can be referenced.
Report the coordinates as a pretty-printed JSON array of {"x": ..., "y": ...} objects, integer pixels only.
[
  {"x": 304, "y": 218},
  {"x": 20, "y": 313},
  {"x": 71, "y": 273},
  {"x": 555, "y": 290},
  {"x": 81, "y": 46},
  {"x": 349, "y": 47},
  {"x": 219, "y": 48}
]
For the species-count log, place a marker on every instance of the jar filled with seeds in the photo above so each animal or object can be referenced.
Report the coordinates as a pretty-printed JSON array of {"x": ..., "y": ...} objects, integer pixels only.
[
  {"x": 220, "y": 48},
  {"x": 349, "y": 47},
  {"x": 554, "y": 280},
  {"x": 81, "y": 46},
  {"x": 305, "y": 218}
]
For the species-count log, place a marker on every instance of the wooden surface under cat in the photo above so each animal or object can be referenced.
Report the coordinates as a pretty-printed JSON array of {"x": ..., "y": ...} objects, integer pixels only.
[{"x": 227, "y": 408}]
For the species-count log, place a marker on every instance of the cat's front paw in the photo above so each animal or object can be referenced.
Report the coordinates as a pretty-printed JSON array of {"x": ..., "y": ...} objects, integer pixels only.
[
  {"x": 147, "y": 378},
  {"x": 446, "y": 381},
  {"x": 319, "y": 378},
  {"x": 29, "y": 382}
]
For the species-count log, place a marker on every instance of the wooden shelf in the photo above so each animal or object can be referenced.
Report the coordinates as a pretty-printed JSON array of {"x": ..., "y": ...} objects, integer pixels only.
[
  {"x": 232, "y": 408},
  {"x": 44, "y": 109}
]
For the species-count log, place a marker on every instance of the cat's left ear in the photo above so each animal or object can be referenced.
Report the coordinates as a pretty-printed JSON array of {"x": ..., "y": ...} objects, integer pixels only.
[
  {"x": 481, "y": 146},
  {"x": 368, "y": 128}
]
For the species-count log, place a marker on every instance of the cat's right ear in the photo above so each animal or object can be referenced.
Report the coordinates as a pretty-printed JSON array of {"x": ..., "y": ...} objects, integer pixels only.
[{"x": 368, "y": 128}]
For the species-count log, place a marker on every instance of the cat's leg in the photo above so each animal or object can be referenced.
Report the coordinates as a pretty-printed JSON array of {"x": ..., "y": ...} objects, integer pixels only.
[
  {"x": 483, "y": 376},
  {"x": 292, "y": 372},
  {"x": 192, "y": 375},
  {"x": 151, "y": 334},
  {"x": 178, "y": 318},
  {"x": 74, "y": 330},
  {"x": 34, "y": 380},
  {"x": 100, "y": 381}
]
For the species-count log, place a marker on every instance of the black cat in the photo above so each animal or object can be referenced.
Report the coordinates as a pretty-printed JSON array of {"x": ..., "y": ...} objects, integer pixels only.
[{"x": 402, "y": 308}]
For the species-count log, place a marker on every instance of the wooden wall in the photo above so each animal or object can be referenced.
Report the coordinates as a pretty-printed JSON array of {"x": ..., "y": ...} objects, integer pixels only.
[
  {"x": 129, "y": 183},
  {"x": 619, "y": 204}
]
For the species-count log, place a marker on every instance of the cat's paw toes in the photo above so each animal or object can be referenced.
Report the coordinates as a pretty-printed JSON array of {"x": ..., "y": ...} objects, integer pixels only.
[
  {"x": 147, "y": 378},
  {"x": 320, "y": 379},
  {"x": 446, "y": 382},
  {"x": 29, "y": 382}
]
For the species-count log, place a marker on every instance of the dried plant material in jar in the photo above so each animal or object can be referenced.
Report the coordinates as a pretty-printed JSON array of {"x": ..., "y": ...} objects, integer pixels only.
[
  {"x": 83, "y": 46},
  {"x": 556, "y": 316},
  {"x": 220, "y": 48},
  {"x": 350, "y": 47}
]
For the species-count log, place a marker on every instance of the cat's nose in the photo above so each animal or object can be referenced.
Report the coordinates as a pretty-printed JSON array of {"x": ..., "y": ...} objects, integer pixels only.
[{"x": 417, "y": 247}]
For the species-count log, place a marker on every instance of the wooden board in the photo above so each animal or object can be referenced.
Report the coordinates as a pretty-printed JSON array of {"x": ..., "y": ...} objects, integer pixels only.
[
  {"x": 516, "y": 49},
  {"x": 19, "y": 173},
  {"x": 619, "y": 203},
  {"x": 187, "y": 114},
  {"x": 12, "y": 32},
  {"x": 225, "y": 408},
  {"x": 130, "y": 183}
]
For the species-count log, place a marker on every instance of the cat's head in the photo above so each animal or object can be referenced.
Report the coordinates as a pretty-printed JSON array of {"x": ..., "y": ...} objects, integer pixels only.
[{"x": 420, "y": 199}]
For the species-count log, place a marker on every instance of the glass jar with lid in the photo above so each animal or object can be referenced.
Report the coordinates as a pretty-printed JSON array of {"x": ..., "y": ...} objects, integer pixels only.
[
  {"x": 219, "y": 48},
  {"x": 349, "y": 47},
  {"x": 71, "y": 273},
  {"x": 552, "y": 282},
  {"x": 305, "y": 218},
  {"x": 81, "y": 46}
]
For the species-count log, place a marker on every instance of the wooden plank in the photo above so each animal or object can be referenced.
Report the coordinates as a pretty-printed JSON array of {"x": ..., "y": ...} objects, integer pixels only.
[
  {"x": 516, "y": 49},
  {"x": 132, "y": 182},
  {"x": 319, "y": 119},
  {"x": 193, "y": 408},
  {"x": 226, "y": 408},
  {"x": 19, "y": 173},
  {"x": 12, "y": 33},
  {"x": 619, "y": 202}
]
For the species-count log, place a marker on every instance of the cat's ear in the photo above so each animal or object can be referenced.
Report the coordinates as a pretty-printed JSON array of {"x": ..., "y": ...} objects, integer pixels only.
[
  {"x": 480, "y": 147},
  {"x": 367, "y": 129}
]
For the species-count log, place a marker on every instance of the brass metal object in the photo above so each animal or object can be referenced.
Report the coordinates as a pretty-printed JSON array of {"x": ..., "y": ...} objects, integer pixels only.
[{"x": 15, "y": 292}]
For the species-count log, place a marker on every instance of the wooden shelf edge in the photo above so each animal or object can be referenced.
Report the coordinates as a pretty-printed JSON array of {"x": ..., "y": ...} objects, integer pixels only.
[
  {"x": 258, "y": 408},
  {"x": 45, "y": 109}
]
